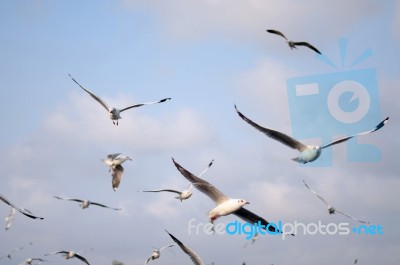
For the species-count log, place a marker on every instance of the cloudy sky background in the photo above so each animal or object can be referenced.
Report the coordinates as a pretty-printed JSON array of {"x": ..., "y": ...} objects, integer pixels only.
[{"x": 207, "y": 56}]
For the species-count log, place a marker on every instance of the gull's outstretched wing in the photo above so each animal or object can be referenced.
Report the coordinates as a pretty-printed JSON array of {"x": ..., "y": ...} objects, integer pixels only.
[
  {"x": 175, "y": 191},
  {"x": 166, "y": 246},
  {"x": 67, "y": 199},
  {"x": 205, "y": 170},
  {"x": 212, "y": 192},
  {"x": 252, "y": 218},
  {"x": 341, "y": 140},
  {"x": 302, "y": 43},
  {"x": 142, "y": 104},
  {"x": 81, "y": 258},
  {"x": 278, "y": 136},
  {"x": 113, "y": 156},
  {"x": 316, "y": 194},
  {"x": 193, "y": 256},
  {"x": 277, "y": 33},
  {"x": 102, "y": 102},
  {"x": 105, "y": 206},
  {"x": 21, "y": 210},
  {"x": 352, "y": 217}
]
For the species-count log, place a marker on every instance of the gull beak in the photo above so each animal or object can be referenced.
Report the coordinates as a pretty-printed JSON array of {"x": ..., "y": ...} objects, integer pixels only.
[{"x": 247, "y": 203}]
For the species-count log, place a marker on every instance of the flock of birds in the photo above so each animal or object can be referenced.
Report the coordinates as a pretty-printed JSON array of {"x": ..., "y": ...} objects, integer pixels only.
[{"x": 225, "y": 205}]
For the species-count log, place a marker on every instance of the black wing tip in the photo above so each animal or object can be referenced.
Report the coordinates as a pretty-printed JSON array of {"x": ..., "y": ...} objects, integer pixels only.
[{"x": 164, "y": 99}]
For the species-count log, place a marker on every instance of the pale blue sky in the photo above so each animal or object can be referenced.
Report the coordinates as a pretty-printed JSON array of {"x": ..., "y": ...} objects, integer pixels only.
[{"x": 207, "y": 56}]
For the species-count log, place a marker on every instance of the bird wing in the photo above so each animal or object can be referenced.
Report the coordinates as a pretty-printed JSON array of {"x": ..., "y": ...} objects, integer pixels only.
[
  {"x": 105, "y": 206},
  {"x": 175, "y": 191},
  {"x": 316, "y": 194},
  {"x": 67, "y": 199},
  {"x": 252, "y": 218},
  {"x": 209, "y": 165},
  {"x": 166, "y": 246},
  {"x": 147, "y": 260},
  {"x": 278, "y": 136},
  {"x": 57, "y": 252},
  {"x": 193, "y": 256},
  {"x": 113, "y": 156},
  {"x": 142, "y": 104},
  {"x": 102, "y": 102},
  {"x": 212, "y": 192},
  {"x": 352, "y": 217},
  {"x": 341, "y": 140},
  {"x": 277, "y": 33},
  {"x": 18, "y": 209},
  {"x": 117, "y": 172},
  {"x": 81, "y": 258},
  {"x": 302, "y": 43}
]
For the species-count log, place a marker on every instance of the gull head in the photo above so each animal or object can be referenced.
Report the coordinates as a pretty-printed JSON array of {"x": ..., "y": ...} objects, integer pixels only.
[
  {"x": 242, "y": 202},
  {"x": 291, "y": 45}
]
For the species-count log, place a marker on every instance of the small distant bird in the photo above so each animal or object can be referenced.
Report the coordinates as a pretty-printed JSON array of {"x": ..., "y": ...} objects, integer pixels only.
[
  {"x": 183, "y": 195},
  {"x": 21, "y": 210},
  {"x": 192, "y": 255},
  {"x": 114, "y": 161},
  {"x": 114, "y": 113},
  {"x": 156, "y": 253},
  {"x": 308, "y": 153},
  {"x": 293, "y": 44},
  {"x": 69, "y": 254},
  {"x": 86, "y": 203},
  {"x": 11, "y": 252},
  {"x": 10, "y": 218},
  {"x": 253, "y": 239},
  {"x": 31, "y": 260},
  {"x": 331, "y": 209},
  {"x": 225, "y": 205}
]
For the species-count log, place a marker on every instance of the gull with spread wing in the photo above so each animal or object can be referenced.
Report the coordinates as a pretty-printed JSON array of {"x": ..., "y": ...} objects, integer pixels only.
[
  {"x": 183, "y": 195},
  {"x": 192, "y": 255},
  {"x": 86, "y": 203},
  {"x": 21, "y": 210},
  {"x": 69, "y": 255},
  {"x": 293, "y": 44},
  {"x": 331, "y": 209},
  {"x": 225, "y": 204},
  {"x": 157, "y": 252},
  {"x": 114, "y": 113},
  {"x": 31, "y": 260},
  {"x": 114, "y": 162},
  {"x": 308, "y": 153}
]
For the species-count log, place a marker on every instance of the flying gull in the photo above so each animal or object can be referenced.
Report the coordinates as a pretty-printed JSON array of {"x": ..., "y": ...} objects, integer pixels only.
[
  {"x": 192, "y": 255},
  {"x": 183, "y": 195},
  {"x": 85, "y": 203},
  {"x": 253, "y": 239},
  {"x": 114, "y": 161},
  {"x": 156, "y": 253},
  {"x": 308, "y": 153},
  {"x": 31, "y": 260},
  {"x": 11, "y": 252},
  {"x": 293, "y": 44},
  {"x": 331, "y": 209},
  {"x": 21, "y": 210},
  {"x": 69, "y": 254},
  {"x": 10, "y": 218},
  {"x": 225, "y": 204},
  {"x": 114, "y": 113}
]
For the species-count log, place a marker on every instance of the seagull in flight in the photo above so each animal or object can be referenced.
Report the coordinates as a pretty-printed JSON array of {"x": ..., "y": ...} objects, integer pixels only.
[
  {"x": 308, "y": 153},
  {"x": 114, "y": 113},
  {"x": 293, "y": 44},
  {"x": 10, "y": 218},
  {"x": 192, "y": 255},
  {"x": 21, "y": 210},
  {"x": 86, "y": 203},
  {"x": 69, "y": 254},
  {"x": 331, "y": 209},
  {"x": 156, "y": 253},
  {"x": 183, "y": 195},
  {"x": 253, "y": 239},
  {"x": 114, "y": 162},
  {"x": 225, "y": 204}
]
